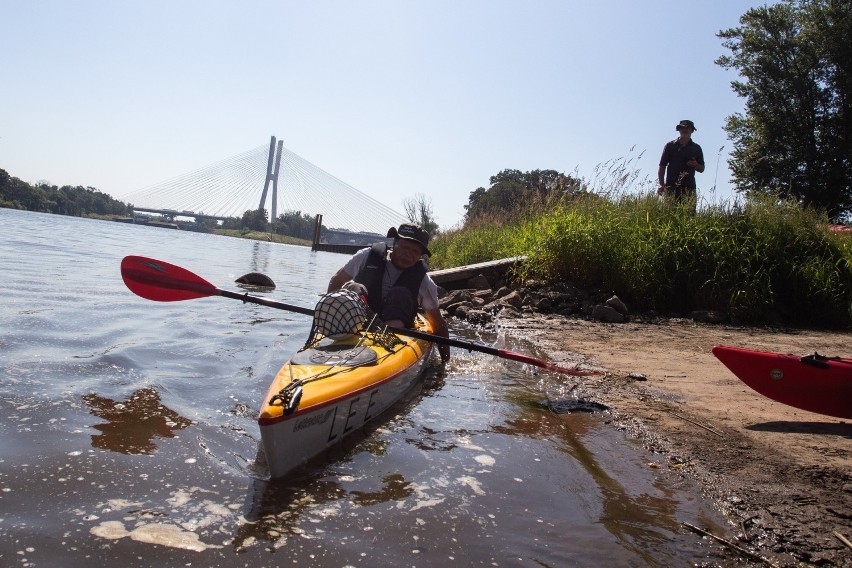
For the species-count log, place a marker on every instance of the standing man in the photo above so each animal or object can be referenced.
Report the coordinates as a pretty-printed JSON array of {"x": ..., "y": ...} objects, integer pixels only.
[
  {"x": 396, "y": 281},
  {"x": 681, "y": 159}
]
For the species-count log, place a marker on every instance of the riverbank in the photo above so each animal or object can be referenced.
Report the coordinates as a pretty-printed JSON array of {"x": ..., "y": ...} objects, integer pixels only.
[
  {"x": 782, "y": 476},
  {"x": 262, "y": 236}
]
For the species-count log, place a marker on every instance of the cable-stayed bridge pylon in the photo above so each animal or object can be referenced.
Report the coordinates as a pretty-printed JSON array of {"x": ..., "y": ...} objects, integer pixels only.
[{"x": 238, "y": 184}]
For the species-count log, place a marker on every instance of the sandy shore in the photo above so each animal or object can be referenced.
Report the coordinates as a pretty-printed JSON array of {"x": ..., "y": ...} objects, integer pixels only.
[{"x": 782, "y": 476}]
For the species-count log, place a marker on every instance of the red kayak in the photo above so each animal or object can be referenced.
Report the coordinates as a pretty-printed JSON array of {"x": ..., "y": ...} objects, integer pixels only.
[{"x": 812, "y": 382}]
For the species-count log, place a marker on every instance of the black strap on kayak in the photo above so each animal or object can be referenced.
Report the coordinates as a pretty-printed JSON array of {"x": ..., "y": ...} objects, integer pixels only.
[
  {"x": 291, "y": 394},
  {"x": 818, "y": 361}
]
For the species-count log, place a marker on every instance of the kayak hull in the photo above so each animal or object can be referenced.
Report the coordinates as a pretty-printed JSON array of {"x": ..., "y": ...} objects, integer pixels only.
[
  {"x": 813, "y": 383},
  {"x": 346, "y": 383}
]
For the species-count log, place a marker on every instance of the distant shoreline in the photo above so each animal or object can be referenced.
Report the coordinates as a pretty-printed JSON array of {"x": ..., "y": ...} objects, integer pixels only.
[{"x": 239, "y": 233}]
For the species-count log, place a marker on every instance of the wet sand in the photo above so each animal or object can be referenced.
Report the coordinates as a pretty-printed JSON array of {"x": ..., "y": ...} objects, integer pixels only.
[{"x": 781, "y": 476}]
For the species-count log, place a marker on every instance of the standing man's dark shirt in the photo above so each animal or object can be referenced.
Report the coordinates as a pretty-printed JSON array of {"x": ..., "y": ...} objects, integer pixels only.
[{"x": 680, "y": 160}]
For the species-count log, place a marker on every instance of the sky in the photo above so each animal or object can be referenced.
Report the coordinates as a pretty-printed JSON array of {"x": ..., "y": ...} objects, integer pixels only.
[{"x": 396, "y": 98}]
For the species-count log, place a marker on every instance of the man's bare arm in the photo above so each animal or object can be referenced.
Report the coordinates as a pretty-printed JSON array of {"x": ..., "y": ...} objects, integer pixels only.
[{"x": 339, "y": 279}]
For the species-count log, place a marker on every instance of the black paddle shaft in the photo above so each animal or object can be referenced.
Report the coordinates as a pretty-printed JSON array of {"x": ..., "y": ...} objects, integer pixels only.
[{"x": 264, "y": 302}]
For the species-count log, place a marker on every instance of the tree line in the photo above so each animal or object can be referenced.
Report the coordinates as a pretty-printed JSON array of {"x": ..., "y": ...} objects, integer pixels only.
[
  {"x": 66, "y": 200},
  {"x": 79, "y": 201}
]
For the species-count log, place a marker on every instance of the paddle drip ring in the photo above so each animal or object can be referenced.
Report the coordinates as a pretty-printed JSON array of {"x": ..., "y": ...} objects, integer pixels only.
[{"x": 337, "y": 314}]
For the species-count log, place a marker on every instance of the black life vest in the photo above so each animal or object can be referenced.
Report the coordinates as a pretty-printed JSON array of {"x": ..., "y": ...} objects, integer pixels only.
[{"x": 374, "y": 270}]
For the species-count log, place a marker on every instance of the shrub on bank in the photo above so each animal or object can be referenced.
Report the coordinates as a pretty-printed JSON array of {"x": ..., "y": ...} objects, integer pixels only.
[{"x": 756, "y": 261}]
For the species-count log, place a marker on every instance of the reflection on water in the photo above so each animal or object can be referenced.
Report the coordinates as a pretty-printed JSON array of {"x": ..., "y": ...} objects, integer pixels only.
[
  {"x": 634, "y": 517},
  {"x": 133, "y": 424},
  {"x": 394, "y": 488},
  {"x": 276, "y": 509},
  {"x": 634, "y": 514},
  {"x": 259, "y": 257},
  {"x": 279, "y": 510}
]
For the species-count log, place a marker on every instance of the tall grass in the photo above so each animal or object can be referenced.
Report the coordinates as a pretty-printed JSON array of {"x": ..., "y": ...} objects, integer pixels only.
[
  {"x": 485, "y": 238},
  {"x": 750, "y": 260}
]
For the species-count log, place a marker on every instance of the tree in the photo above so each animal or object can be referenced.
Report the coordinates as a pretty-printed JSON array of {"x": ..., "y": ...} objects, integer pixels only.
[
  {"x": 418, "y": 209},
  {"x": 512, "y": 190},
  {"x": 295, "y": 224},
  {"x": 254, "y": 220},
  {"x": 793, "y": 141}
]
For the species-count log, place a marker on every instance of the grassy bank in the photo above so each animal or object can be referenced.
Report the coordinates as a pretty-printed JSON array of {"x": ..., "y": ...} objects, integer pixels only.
[
  {"x": 262, "y": 236},
  {"x": 756, "y": 261}
]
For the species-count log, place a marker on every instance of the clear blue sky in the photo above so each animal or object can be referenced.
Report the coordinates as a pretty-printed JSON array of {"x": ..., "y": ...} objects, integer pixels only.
[{"x": 395, "y": 98}]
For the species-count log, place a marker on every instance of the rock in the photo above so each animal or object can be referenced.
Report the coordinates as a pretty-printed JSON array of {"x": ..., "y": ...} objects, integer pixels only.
[
  {"x": 460, "y": 309},
  {"x": 502, "y": 291},
  {"x": 514, "y": 299},
  {"x": 479, "y": 282},
  {"x": 544, "y": 304},
  {"x": 607, "y": 314},
  {"x": 454, "y": 298},
  {"x": 471, "y": 314},
  {"x": 615, "y": 303},
  {"x": 478, "y": 317},
  {"x": 256, "y": 279},
  {"x": 587, "y": 307},
  {"x": 508, "y": 312}
]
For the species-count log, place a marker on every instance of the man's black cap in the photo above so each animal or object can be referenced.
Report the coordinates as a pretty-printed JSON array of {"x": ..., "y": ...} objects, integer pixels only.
[{"x": 411, "y": 232}]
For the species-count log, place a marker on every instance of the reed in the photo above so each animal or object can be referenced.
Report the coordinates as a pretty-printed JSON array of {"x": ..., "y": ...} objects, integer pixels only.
[{"x": 754, "y": 260}]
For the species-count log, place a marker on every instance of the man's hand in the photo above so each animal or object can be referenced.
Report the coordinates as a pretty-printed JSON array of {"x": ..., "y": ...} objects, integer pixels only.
[{"x": 439, "y": 327}]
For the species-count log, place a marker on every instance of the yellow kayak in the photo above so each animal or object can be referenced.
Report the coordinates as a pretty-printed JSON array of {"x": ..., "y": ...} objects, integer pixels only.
[
  {"x": 343, "y": 378},
  {"x": 324, "y": 393}
]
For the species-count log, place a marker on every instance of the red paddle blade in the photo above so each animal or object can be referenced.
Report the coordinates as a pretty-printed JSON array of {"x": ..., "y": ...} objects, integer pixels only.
[
  {"x": 163, "y": 282},
  {"x": 544, "y": 364}
]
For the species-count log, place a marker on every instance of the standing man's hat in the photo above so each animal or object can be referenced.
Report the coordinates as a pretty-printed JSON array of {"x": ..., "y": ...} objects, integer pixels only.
[
  {"x": 683, "y": 123},
  {"x": 411, "y": 232}
]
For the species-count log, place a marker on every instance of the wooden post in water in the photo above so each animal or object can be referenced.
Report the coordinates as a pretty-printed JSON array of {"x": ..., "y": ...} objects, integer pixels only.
[{"x": 317, "y": 231}]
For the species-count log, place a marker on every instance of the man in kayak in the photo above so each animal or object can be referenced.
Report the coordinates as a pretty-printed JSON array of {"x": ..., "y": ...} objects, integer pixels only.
[
  {"x": 681, "y": 158},
  {"x": 395, "y": 280}
]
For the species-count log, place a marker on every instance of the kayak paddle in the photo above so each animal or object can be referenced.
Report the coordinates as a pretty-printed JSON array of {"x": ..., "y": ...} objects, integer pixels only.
[{"x": 163, "y": 282}]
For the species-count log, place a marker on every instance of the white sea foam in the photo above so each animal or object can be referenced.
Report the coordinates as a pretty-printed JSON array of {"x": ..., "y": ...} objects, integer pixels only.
[
  {"x": 153, "y": 533},
  {"x": 485, "y": 460},
  {"x": 473, "y": 483}
]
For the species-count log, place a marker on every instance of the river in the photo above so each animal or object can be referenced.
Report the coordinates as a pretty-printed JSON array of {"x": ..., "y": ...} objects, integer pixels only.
[{"x": 128, "y": 432}]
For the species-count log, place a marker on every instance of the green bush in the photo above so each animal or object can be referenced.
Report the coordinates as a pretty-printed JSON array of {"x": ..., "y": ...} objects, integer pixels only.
[{"x": 749, "y": 260}]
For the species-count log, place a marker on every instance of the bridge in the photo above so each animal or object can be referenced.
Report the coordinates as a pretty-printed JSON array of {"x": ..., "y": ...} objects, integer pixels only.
[{"x": 267, "y": 177}]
